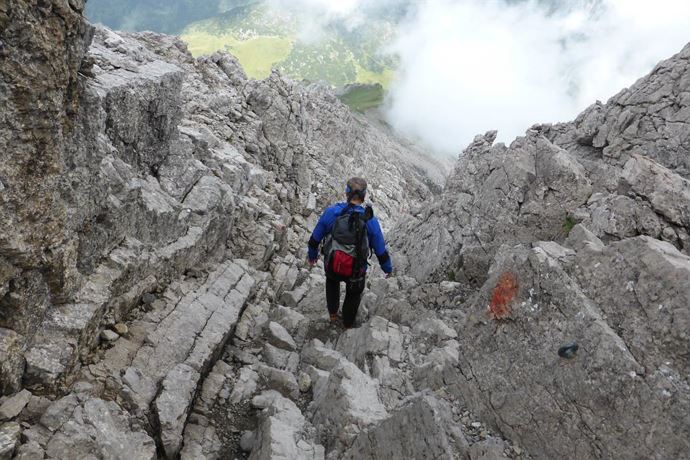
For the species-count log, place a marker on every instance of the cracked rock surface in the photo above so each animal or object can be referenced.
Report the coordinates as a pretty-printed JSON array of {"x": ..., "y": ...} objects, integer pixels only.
[{"x": 155, "y": 301}]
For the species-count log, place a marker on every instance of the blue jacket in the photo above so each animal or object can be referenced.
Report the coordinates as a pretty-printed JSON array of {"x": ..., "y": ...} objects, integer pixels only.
[{"x": 374, "y": 233}]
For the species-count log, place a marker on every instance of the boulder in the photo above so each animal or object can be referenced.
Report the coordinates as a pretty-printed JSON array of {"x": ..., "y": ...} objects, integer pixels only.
[
  {"x": 9, "y": 439},
  {"x": 376, "y": 337},
  {"x": 94, "y": 428},
  {"x": 11, "y": 361},
  {"x": 348, "y": 402},
  {"x": 421, "y": 428},
  {"x": 13, "y": 405},
  {"x": 280, "y": 337},
  {"x": 511, "y": 369},
  {"x": 280, "y": 433},
  {"x": 276, "y": 379}
]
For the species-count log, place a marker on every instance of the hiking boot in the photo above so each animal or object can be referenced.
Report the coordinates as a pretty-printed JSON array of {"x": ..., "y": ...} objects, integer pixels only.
[{"x": 334, "y": 317}]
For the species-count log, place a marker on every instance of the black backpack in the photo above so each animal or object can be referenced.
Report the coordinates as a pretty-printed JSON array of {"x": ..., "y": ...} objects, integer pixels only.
[{"x": 346, "y": 248}]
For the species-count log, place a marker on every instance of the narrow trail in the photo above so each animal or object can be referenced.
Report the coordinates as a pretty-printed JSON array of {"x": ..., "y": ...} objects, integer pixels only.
[
  {"x": 340, "y": 391},
  {"x": 221, "y": 366}
]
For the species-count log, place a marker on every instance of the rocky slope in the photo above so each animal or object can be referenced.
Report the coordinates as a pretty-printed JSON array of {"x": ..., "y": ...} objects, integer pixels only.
[
  {"x": 575, "y": 232},
  {"x": 155, "y": 303}
]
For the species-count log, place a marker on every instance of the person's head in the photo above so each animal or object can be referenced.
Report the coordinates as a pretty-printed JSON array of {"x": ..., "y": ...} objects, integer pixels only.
[{"x": 356, "y": 190}]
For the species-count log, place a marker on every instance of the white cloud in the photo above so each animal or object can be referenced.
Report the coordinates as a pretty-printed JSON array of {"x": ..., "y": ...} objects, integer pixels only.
[{"x": 468, "y": 66}]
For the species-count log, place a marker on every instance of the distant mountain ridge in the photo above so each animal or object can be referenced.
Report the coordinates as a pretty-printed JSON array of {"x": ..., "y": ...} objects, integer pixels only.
[{"x": 166, "y": 16}]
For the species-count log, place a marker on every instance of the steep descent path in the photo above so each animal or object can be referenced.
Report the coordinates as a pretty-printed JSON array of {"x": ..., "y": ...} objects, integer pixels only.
[{"x": 157, "y": 304}]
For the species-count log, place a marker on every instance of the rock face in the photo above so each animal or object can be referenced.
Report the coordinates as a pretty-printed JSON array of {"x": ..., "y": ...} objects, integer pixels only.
[
  {"x": 578, "y": 404},
  {"x": 621, "y": 169},
  {"x": 92, "y": 427},
  {"x": 161, "y": 163},
  {"x": 421, "y": 428},
  {"x": 43, "y": 45},
  {"x": 575, "y": 233},
  {"x": 155, "y": 301}
]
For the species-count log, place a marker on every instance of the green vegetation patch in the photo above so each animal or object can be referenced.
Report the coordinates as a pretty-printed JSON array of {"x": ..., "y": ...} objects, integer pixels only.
[
  {"x": 257, "y": 55},
  {"x": 328, "y": 60},
  {"x": 363, "y": 97},
  {"x": 568, "y": 225},
  {"x": 264, "y": 38}
]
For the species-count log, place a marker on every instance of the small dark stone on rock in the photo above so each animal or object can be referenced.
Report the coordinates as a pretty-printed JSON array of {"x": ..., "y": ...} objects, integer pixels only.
[{"x": 568, "y": 351}]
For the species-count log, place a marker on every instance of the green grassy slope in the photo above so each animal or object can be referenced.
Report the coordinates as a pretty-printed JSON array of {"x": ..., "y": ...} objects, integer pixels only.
[
  {"x": 363, "y": 97},
  {"x": 263, "y": 38}
]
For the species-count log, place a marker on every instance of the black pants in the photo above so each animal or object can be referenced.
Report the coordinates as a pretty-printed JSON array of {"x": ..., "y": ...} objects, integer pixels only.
[{"x": 353, "y": 295}]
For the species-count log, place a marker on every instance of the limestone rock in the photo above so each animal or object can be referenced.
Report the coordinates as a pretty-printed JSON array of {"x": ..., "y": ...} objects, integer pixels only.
[
  {"x": 282, "y": 381},
  {"x": 94, "y": 428},
  {"x": 280, "y": 337},
  {"x": 548, "y": 310},
  {"x": 13, "y": 405},
  {"x": 648, "y": 278},
  {"x": 377, "y": 336},
  {"x": 30, "y": 451},
  {"x": 247, "y": 441},
  {"x": 245, "y": 386},
  {"x": 667, "y": 192},
  {"x": 167, "y": 183},
  {"x": 200, "y": 442},
  {"x": 650, "y": 117},
  {"x": 304, "y": 382},
  {"x": 9, "y": 439},
  {"x": 489, "y": 449},
  {"x": 280, "y": 433},
  {"x": 109, "y": 336},
  {"x": 348, "y": 399},
  {"x": 281, "y": 359},
  {"x": 11, "y": 361},
  {"x": 121, "y": 329},
  {"x": 421, "y": 428},
  {"x": 496, "y": 195},
  {"x": 318, "y": 355},
  {"x": 173, "y": 405}
]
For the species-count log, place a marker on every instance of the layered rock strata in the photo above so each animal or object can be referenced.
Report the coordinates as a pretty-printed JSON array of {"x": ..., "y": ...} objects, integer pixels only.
[{"x": 155, "y": 301}]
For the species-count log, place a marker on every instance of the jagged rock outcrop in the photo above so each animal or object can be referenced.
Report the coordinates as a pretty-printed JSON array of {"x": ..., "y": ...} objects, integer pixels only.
[
  {"x": 575, "y": 233},
  {"x": 165, "y": 164},
  {"x": 617, "y": 382},
  {"x": 155, "y": 301},
  {"x": 422, "y": 428},
  {"x": 634, "y": 183},
  {"x": 158, "y": 173},
  {"x": 42, "y": 46}
]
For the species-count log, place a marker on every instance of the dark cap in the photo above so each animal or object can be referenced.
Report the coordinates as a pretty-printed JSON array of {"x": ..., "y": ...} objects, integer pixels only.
[{"x": 356, "y": 186}]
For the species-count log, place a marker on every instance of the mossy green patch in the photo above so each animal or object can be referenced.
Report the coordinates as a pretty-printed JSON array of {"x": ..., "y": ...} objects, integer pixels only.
[
  {"x": 568, "y": 225},
  {"x": 363, "y": 97}
]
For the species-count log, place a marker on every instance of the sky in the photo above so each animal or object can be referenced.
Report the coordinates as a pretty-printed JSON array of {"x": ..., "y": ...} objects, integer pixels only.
[{"x": 470, "y": 66}]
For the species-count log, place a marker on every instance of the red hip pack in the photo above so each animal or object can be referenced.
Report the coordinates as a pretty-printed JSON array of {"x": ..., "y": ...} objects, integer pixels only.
[{"x": 342, "y": 264}]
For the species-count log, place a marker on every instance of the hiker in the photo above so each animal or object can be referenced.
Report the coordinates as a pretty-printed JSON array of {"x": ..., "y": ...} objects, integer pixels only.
[{"x": 348, "y": 231}]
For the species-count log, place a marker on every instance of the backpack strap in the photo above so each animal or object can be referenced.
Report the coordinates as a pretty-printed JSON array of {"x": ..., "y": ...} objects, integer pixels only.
[
  {"x": 360, "y": 222},
  {"x": 368, "y": 213}
]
